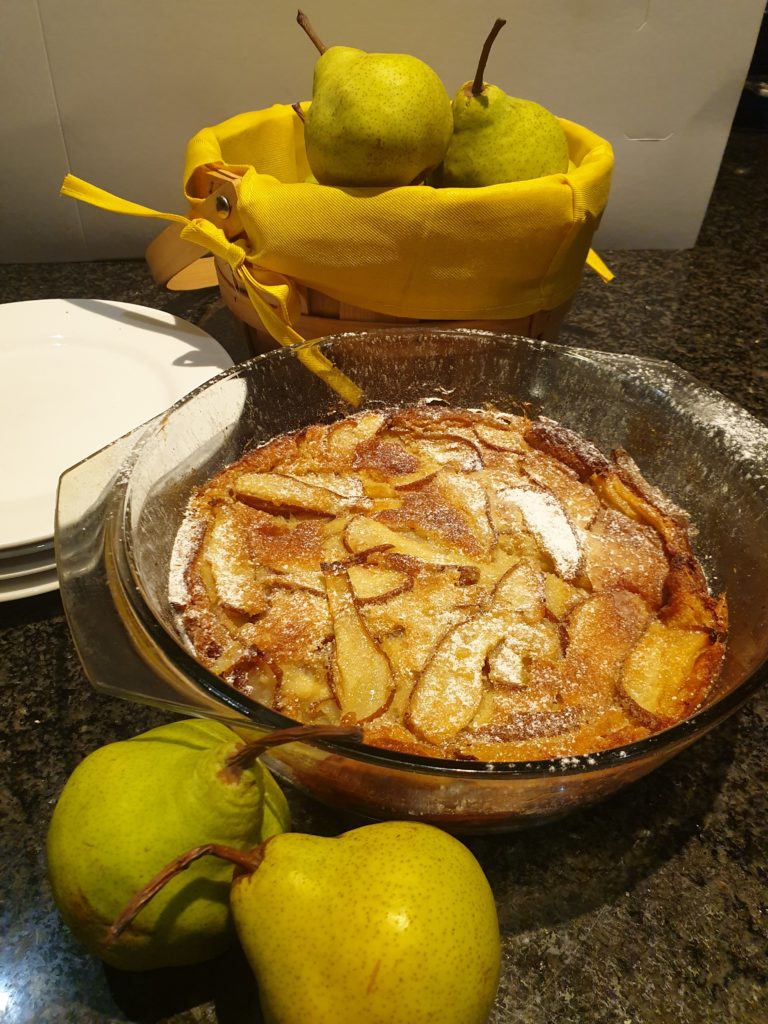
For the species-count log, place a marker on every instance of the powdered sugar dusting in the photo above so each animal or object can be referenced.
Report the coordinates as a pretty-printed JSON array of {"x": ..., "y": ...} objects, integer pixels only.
[
  {"x": 233, "y": 574},
  {"x": 505, "y": 664},
  {"x": 185, "y": 546},
  {"x": 545, "y": 518},
  {"x": 345, "y": 486}
]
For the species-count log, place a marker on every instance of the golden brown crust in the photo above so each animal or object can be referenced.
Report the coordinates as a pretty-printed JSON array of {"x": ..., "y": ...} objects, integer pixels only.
[{"x": 464, "y": 583}]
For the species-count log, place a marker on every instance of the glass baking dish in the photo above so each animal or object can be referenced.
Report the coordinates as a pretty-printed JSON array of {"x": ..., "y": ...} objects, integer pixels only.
[{"x": 119, "y": 510}]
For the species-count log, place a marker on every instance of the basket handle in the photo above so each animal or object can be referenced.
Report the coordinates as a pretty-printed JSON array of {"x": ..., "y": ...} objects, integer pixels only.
[{"x": 175, "y": 263}]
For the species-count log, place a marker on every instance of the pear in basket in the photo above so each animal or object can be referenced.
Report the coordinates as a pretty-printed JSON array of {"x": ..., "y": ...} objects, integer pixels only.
[
  {"x": 498, "y": 138},
  {"x": 376, "y": 119}
]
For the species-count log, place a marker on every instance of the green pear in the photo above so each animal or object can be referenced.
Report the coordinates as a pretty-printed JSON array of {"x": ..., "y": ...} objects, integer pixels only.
[
  {"x": 387, "y": 923},
  {"x": 393, "y": 923},
  {"x": 128, "y": 808},
  {"x": 376, "y": 119},
  {"x": 499, "y": 138}
]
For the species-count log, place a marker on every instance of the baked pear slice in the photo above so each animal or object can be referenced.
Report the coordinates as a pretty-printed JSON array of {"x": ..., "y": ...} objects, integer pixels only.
[
  {"x": 344, "y": 437},
  {"x": 363, "y": 534},
  {"x": 601, "y": 632},
  {"x": 290, "y": 494},
  {"x": 363, "y": 683},
  {"x": 239, "y": 582},
  {"x": 501, "y": 439},
  {"x": 668, "y": 673},
  {"x": 449, "y": 691},
  {"x": 546, "y": 519},
  {"x": 373, "y": 583}
]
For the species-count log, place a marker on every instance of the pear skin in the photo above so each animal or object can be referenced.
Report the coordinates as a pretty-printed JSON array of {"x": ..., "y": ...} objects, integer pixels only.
[
  {"x": 499, "y": 138},
  {"x": 376, "y": 120},
  {"x": 130, "y": 807},
  {"x": 392, "y": 922}
]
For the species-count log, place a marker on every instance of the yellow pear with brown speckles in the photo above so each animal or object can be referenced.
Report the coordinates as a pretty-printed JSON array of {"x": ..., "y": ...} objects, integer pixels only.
[
  {"x": 499, "y": 138},
  {"x": 377, "y": 120},
  {"x": 392, "y": 923}
]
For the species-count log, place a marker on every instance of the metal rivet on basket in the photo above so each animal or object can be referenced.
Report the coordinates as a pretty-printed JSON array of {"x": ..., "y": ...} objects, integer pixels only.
[{"x": 223, "y": 207}]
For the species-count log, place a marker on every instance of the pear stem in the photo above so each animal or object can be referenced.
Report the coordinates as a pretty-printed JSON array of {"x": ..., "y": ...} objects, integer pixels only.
[
  {"x": 306, "y": 24},
  {"x": 298, "y": 111},
  {"x": 247, "y": 860},
  {"x": 477, "y": 85},
  {"x": 244, "y": 756}
]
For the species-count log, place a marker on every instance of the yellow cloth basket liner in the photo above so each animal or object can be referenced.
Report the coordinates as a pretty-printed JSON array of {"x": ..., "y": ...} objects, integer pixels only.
[
  {"x": 498, "y": 252},
  {"x": 494, "y": 253}
]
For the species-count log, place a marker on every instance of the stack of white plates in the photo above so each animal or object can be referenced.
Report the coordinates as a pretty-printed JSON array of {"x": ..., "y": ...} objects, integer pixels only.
[
  {"x": 75, "y": 374},
  {"x": 27, "y": 570}
]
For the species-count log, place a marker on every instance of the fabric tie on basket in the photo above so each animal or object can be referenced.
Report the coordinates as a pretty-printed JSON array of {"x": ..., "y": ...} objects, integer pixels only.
[{"x": 274, "y": 296}]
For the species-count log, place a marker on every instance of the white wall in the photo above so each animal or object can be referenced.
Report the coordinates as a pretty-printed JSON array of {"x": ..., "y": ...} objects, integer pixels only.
[{"x": 112, "y": 90}]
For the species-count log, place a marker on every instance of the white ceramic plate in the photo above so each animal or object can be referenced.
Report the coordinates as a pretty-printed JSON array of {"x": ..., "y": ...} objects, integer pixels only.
[
  {"x": 28, "y": 586},
  {"x": 32, "y": 553},
  {"x": 13, "y": 567},
  {"x": 75, "y": 374}
]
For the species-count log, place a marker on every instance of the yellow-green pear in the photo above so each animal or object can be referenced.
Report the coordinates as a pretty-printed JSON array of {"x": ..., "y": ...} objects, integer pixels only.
[
  {"x": 392, "y": 923},
  {"x": 499, "y": 138},
  {"x": 376, "y": 119},
  {"x": 130, "y": 807},
  {"x": 386, "y": 924}
]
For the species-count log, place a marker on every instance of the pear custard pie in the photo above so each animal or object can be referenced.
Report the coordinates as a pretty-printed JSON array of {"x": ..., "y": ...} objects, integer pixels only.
[{"x": 463, "y": 583}]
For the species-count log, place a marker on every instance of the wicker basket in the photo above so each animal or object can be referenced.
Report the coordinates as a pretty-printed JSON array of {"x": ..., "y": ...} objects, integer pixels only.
[
  {"x": 294, "y": 260},
  {"x": 179, "y": 266},
  {"x": 322, "y": 316}
]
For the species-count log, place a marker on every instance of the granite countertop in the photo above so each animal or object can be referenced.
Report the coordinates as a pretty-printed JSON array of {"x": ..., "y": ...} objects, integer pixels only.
[{"x": 649, "y": 908}]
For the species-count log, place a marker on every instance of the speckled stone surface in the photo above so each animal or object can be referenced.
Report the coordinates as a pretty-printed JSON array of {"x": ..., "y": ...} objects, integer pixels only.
[{"x": 647, "y": 909}]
